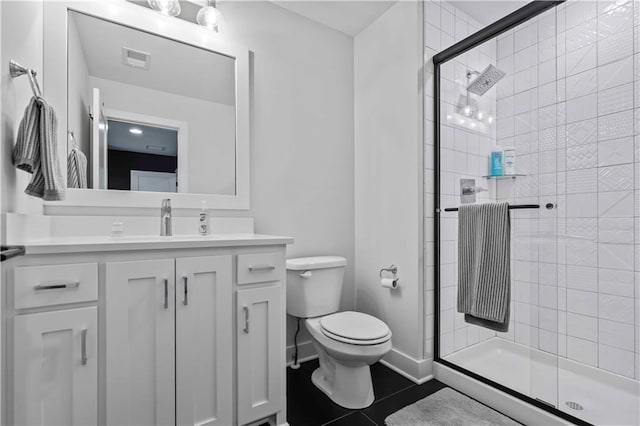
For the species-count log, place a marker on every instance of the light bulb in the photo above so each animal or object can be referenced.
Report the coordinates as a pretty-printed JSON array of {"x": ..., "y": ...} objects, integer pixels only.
[
  {"x": 480, "y": 115},
  {"x": 210, "y": 17},
  {"x": 166, "y": 7},
  {"x": 490, "y": 119},
  {"x": 466, "y": 110}
]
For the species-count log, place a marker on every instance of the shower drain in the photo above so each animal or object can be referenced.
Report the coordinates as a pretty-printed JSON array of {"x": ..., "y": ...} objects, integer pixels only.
[{"x": 574, "y": 405}]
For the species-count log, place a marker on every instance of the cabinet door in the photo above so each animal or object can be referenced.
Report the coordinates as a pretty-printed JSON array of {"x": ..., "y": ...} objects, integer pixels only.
[
  {"x": 140, "y": 342},
  {"x": 260, "y": 352},
  {"x": 204, "y": 316},
  {"x": 56, "y": 370}
]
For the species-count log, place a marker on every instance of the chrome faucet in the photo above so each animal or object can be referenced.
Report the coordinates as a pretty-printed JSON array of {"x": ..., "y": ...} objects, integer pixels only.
[{"x": 165, "y": 218}]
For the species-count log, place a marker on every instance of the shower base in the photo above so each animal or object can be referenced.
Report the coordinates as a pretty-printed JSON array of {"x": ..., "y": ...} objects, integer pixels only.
[{"x": 591, "y": 394}]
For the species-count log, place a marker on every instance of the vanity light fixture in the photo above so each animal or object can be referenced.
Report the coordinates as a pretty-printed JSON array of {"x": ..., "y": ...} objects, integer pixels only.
[
  {"x": 166, "y": 7},
  {"x": 210, "y": 17},
  {"x": 135, "y": 131}
]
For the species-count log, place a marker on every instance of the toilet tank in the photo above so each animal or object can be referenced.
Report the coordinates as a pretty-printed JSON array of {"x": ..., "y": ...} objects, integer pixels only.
[{"x": 314, "y": 285}]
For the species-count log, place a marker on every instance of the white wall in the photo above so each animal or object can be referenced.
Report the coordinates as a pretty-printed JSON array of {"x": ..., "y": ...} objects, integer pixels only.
[
  {"x": 301, "y": 127},
  {"x": 302, "y": 131},
  {"x": 79, "y": 97},
  {"x": 211, "y": 134},
  {"x": 22, "y": 39},
  {"x": 388, "y": 177}
]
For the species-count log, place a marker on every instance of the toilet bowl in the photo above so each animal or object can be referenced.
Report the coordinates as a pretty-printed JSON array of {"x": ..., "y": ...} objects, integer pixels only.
[
  {"x": 344, "y": 374},
  {"x": 347, "y": 342}
]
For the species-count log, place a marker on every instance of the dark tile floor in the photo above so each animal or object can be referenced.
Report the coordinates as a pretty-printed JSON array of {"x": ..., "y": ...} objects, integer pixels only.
[{"x": 308, "y": 406}]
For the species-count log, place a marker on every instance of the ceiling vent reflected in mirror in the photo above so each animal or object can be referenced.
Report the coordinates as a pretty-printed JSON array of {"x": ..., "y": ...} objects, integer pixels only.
[{"x": 136, "y": 58}]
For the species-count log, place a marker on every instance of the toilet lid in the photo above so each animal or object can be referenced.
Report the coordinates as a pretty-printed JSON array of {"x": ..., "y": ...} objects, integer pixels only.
[{"x": 354, "y": 326}]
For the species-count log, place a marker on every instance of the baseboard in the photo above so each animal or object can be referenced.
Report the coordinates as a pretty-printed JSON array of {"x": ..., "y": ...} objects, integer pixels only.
[
  {"x": 511, "y": 406},
  {"x": 416, "y": 370},
  {"x": 306, "y": 352}
]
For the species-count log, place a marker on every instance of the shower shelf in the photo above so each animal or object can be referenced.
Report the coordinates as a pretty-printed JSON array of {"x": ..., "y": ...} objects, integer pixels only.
[{"x": 500, "y": 177}]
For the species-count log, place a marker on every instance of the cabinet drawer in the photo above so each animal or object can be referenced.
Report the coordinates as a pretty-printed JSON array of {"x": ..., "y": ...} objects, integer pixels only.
[
  {"x": 260, "y": 267},
  {"x": 55, "y": 284}
]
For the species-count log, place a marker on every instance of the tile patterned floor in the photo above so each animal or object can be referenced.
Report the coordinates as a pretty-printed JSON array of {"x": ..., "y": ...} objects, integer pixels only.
[{"x": 308, "y": 406}]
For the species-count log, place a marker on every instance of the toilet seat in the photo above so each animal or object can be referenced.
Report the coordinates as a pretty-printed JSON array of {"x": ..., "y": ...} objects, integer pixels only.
[{"x": 355, "y": 328}]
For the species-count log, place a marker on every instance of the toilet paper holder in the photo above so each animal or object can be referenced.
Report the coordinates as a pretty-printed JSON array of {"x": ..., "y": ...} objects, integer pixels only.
[{"x": 393, "y": 269}]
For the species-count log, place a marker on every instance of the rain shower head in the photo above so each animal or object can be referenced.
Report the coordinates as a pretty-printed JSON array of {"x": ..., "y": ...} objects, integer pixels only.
[{"x": 485, "y": 80}]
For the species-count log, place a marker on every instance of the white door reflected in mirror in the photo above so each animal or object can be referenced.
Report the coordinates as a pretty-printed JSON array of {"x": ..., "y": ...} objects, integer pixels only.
[{"x": 142, "y": 180}]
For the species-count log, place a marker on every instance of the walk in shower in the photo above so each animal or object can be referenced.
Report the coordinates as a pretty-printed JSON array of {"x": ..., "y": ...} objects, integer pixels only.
[{"x": 559, "y": 84}]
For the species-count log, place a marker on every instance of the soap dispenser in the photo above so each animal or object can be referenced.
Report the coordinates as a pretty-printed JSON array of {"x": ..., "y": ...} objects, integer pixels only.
[{"x": 204, "y": 219}]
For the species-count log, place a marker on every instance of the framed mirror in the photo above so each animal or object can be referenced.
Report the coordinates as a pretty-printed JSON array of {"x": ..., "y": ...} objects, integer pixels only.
[{"x": 149, "y": 107}]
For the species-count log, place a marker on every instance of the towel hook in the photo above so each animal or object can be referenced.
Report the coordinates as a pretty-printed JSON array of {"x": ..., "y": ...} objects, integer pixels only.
[{"x": 16, "y": 70}]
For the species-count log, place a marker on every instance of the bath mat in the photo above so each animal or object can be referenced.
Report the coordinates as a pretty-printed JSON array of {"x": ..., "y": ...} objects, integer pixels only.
[{"x": 450, "y": 408}]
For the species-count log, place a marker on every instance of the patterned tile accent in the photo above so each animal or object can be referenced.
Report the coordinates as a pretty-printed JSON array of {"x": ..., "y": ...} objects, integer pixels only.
[
  {"x": 615, "y": 126},
  {"x": 616, "y": 178},
  {"x": 582, "y": 35},
  {"x": 582, "y": 84},
  {"x": 547, "y": 139},
  {"x": 617, "y": 99},
  {"x": 615, "y": 47},
  {"x": 583, "y": 227},
  {"x": 581, "y": 181},
  {"x": 615, "y": 21},
  {"x": 617, "y": 151},
  {"x": 547, "y": 116},
  {"x": 581, "y": 133},
  {"x": 615, "y": 204},
  {"x": 582, "y": 156}
]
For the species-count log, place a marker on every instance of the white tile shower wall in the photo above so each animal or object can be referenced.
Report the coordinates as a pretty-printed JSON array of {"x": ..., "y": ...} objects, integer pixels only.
[
  {"x": 464, "y": 152},
  {"x": 576, "y": 268}
]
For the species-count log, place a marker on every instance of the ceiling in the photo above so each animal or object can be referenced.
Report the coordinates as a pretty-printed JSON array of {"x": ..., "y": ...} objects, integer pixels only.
[
  {"x": 351, "y": 17},
  {"x": 171, "y": 63},
  {"x": 487, "y": 12},
  {"x": 152, "y": 140},
  {"x": 347, "y": 16}
]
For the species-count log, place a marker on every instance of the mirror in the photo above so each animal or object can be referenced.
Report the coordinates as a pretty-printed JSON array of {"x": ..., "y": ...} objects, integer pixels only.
[{"x": 148, "y": 113}]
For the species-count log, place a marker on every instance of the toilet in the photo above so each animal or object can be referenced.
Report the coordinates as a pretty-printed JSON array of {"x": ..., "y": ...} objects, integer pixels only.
[{"x": 347, "y": 342}]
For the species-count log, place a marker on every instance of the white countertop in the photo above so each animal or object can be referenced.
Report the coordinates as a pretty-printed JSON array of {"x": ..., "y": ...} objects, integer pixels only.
[{"x": 147, "y": 242}]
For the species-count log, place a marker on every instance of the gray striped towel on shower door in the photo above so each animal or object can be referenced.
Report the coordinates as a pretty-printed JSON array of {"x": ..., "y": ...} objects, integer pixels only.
[{"x": 484, "y": 270}]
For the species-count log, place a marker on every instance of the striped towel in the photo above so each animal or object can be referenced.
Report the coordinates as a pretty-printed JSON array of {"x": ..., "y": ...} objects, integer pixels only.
[
  {"x": 76, "y": 165},
  {"x": 484, "y": 275},
  {"x": 36, "y": 151},
  {"x": 76, "y": 169}
]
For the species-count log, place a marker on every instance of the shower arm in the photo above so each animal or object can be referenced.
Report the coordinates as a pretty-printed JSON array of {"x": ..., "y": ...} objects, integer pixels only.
[{"x": 469, "y": 74}]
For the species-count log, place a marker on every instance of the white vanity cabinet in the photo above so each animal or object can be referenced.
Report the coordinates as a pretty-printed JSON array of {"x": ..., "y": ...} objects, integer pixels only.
[
  {"x": 191, "y": 335},
  {"x": 55, "y": 371},
  {"x": 204, "y": 318},
  {"x": 259, "y": 333},
  {"x": 140, "y": 342}
]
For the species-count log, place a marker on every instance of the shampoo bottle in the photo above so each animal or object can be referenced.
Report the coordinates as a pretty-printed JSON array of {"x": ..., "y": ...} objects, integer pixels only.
[
  {"x": 509, "y": 161},
  {"x": 496, "y": 163},
  {"x": 204, "y": 219}
]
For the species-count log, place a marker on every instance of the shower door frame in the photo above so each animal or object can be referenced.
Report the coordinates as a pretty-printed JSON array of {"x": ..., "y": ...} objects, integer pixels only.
[{"x": 507, "y": 23}]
